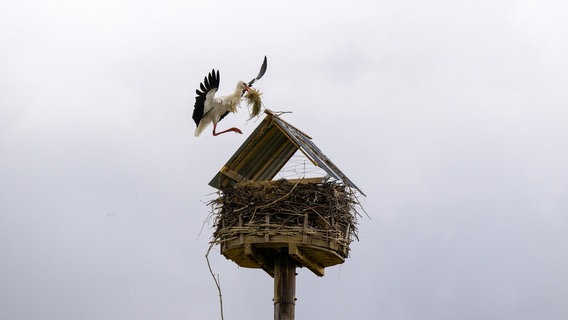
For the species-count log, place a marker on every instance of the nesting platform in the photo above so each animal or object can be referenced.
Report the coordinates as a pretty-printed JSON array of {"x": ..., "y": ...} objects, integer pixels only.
[{"x": 312, "y": 221}]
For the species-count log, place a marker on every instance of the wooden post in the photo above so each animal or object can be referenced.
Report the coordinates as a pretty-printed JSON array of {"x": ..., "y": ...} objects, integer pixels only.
[{"x": 284, "y": 286}]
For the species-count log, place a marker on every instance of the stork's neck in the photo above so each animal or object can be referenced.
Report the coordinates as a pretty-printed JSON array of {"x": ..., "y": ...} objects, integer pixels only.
[
  {"x": 238, "y": 91},
  {"x": 233, "y": 99}
]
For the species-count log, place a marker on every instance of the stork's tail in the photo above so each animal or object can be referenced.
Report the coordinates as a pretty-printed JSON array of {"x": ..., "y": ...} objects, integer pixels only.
[{"x": 200, "y": 128}]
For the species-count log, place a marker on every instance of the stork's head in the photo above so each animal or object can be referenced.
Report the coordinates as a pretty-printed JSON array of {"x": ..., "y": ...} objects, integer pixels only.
[{"x": 241, "y": 85}]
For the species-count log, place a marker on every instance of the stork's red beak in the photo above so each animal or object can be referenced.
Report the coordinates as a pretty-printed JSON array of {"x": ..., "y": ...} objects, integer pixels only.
[{"x": 245, "y": 89}]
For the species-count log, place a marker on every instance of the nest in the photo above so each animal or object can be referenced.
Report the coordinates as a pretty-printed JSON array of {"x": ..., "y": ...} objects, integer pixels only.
[{"x": 324, "y": 210}]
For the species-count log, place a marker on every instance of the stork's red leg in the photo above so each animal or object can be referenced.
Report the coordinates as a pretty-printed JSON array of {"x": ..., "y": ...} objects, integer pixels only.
[{"x": 237, "y": 130}]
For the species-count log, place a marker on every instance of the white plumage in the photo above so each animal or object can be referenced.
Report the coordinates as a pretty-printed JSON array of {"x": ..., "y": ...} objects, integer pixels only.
[
  {"x": 211, "y": 109},
  {"x": 216, "y": 108}
]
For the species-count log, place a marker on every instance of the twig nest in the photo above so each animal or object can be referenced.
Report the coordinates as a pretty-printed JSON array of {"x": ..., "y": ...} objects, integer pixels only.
[
  {"x": 252, "y": 98},
  {"x": 327, "y": 208}
]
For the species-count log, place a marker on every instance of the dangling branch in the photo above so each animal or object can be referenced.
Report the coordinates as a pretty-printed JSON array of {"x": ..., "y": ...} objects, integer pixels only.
[{"x": 216, "y": 279}]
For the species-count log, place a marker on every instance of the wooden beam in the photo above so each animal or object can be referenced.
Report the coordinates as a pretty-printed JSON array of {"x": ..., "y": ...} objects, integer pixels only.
[
  {"x": 306, "y": 180},
  {"x": 259, "y": 258},
  {"x": 284, "y": 286},
  {"x": 305, "y": 260},
  {"x": 233, "y": 175}
]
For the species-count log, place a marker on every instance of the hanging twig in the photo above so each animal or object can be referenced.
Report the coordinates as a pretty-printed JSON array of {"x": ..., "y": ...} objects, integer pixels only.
[
  {"x": 216, "y": 279},
  {"x": 208, "y": 218}
]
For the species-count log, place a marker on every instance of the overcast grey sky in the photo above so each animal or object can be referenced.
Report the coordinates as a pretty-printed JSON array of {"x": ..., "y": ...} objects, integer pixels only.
[{"x": 450, "y": 115}]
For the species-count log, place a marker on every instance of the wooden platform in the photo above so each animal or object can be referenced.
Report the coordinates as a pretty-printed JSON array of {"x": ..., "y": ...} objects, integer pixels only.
[{"x": 258, "y": 249}]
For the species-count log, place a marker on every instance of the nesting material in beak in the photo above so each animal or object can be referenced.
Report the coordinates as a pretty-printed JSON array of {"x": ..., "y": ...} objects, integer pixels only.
[{"x": 254, "y": 101}]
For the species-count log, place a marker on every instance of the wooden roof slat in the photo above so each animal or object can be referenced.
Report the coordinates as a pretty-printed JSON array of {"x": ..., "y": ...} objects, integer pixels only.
[{"x": 265, "y": 152}]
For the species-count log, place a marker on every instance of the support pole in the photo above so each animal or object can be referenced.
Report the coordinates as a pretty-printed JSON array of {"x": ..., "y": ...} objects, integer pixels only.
[{"x": 284, "y": 286}]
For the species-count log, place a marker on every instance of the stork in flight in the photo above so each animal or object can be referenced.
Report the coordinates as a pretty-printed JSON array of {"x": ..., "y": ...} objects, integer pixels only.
[{"x": 211, "y": 109}]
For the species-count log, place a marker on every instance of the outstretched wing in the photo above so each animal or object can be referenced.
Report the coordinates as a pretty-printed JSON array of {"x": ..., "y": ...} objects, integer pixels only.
[
  {"x": 211, "y": 82},
  {"x": 260, "y": 73}
]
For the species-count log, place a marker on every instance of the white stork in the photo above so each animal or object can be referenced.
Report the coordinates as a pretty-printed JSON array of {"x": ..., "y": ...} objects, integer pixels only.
[{"x": 211, "y": 109}]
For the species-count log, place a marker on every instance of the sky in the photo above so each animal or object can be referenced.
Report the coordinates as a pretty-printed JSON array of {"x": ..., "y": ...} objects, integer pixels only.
[{"x": 450, "y": 115}]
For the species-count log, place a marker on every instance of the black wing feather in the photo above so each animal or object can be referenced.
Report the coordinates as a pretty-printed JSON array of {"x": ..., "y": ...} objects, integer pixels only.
[
  {"x": 260, "y": 73},
  {"x": 209, "y": 83},
  {"x": 206, "y": 82}
]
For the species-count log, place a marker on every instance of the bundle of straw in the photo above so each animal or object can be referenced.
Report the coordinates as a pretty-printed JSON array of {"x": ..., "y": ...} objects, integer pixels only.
[{"x": 253, "y": 100}]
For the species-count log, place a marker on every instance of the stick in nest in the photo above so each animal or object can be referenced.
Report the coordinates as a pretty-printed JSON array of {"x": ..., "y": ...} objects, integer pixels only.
[
  {"x": 254, "y": 101},
  {"x": 325, "y": 207}
]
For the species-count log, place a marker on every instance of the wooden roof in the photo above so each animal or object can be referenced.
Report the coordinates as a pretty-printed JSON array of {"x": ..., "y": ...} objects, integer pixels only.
[{"x": 268, "y": 149}]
